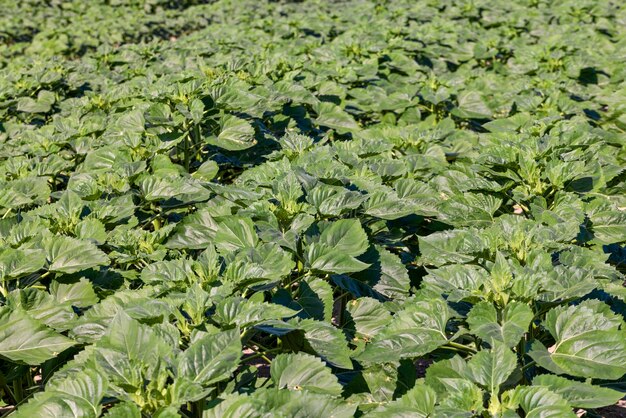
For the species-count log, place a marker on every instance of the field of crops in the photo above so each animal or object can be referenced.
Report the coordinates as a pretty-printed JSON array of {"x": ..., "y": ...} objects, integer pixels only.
[{"x": 255, "y": 208}]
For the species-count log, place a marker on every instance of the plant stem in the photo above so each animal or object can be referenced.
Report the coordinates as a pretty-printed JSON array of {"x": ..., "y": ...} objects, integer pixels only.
[
  {"x": 528, "y": 365},
  {"x": 263, "y": 355},
  {"x": 459, "y": 347},
  {"x": 18, "y": 390},
  {"x": 186, "y": 150},
  {"x": 198, "y": 408}
]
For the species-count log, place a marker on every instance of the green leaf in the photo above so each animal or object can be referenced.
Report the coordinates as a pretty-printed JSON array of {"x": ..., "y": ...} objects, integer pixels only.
[
  {"x": 386, "y": 275},
  {"x": 369, "y": 316},
  {"x": 516, "y": 317},
  {"x": 460, "y": 397},
  {"x": 314, "y": 299},
  {"x": 131, "y": 122},
  {"x": 88, "y": 384},
  {"x": 79, "y": 294},
  {"x": 345, "y": 236},
  {"x": 69, "y": 255},
  {"x": 328, "y": 342},
  {"x": 325, "y": 259},
  {"x": 453, "y": 368},
  {"x": 212, "y": 358},
  {"x": 17, "y": 263},
  {"x": 456, "y": 246},
  {"x": 91, "y": 230},
  {"x": 236, "y": 134},
  {"x": 578, "y": 394},
  {"x": 196, "y": 231},
  {"x": 53, "y": 404},
  {"x": 491, "y": 368},
  {"x": 332, "y": 116},
  {"x": 43, "y": 103},
  {"x": 590, "y": 342},
  {"x": 266, "y": 261},
  {"x": 123, "y": 410},
  {"x": 235, "y": 234},
  {"x": 414, "y": 331},
  {"x": 381, "y": 380},
  {"x": 472, "y": 105},
  {"x": 23, "y": 339},
  {"x": 42, "y": 307},
  {"x": 303, "y": 372},
  {"x": 418, "y": 402},
  {"x": 134, "y": 340},
  {"x": 245, "y": 312},
  {"x": 540, "y": 402},
  {"x": 207, "y": 171},
  {"x": 281, "y": 403}
]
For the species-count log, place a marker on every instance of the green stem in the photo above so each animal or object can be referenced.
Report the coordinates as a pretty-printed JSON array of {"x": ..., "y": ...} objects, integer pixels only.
[
  {"x": 528, "y": 365},
  {"x": 246, "y": 334},
  {"x": 459, "y": 347},
  {"x": 263, "y": 355},
  {"x": 18, "y": 390},
  {"x": 197, "y": 137},
  {"x": 264, "y": 348},
  {"x": 186, "y": 150},
  {"x": 198, "y": 408}
]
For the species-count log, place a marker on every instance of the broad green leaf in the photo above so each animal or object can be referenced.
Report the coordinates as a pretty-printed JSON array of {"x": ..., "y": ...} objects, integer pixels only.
[
  {"x": 323, "y": 258},
  {"x": 16, "y": 263},
  {"x": 346, "y": 237},
  {"x": 42, "y": 307},
  {"x": 245, "y": 312},
  {"x": 123, "y": 410},
  {"x": 196, "y": 231},
  {"x": 328, "y": 342},
  {"x": 418, "y": 402},
  {"x": 369, "y": 316},
  {"x": 460, "y": 397},
  {"x": 236, "y": 134},
  {"x": 590, "y": 342},
  {"x": 453, "y": 368},
  {"x": 51, "y": 404},
  {"x": 88, "y": 384},
  {"x": 91, "y": 230},
  {"x": 134, "y": 340},
  {"x": 43, "y": 103},
  {"x": 381, "y": 380},
  {"x": 414, "y": 331},
  {"x": 207, "y": 171},
  {"x": 266, "y": 261},
  {"x": 386, "y": 275},
  {"x": 235, "y": 234},
  {"x": 69, "y": 255},
  {"x": 578, "y": 394},
  {"x": 458, "y": 281},
  {"x": 303, "y": 372},
  {"x": 540, "y": 402},
  {"x": 472, "y": 105},
  {"x": 332, "y": 116},
  {"x": 314, "y": 299},
  {"x": 515, "y": 319},
  {"x": 456, "y": 246},
  {"x": 211, "y": 358},
  {"x": 79, "y": 294},
  {"x": 491, "y": 368},
  {"x": 26, "y": 340},
  {"x": 132, "y": 122},
  {"x": 281, "y": 403}
]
